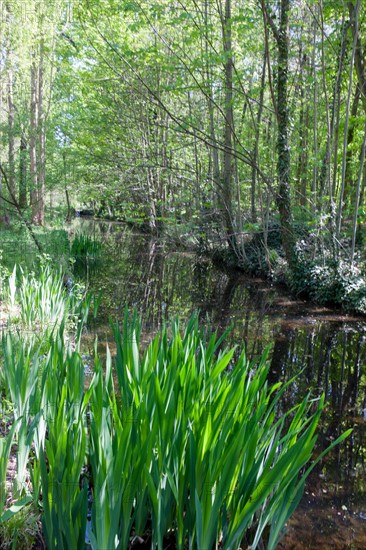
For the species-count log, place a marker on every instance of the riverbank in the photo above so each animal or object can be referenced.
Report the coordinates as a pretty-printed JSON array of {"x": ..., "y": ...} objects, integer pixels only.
[{"x": 320, "y": 274}]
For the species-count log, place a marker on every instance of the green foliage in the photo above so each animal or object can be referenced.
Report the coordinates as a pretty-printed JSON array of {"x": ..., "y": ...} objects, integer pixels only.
[
  {"x": 64, "y": 496},
  {"x": 37, "y": 302},
  {"x": 21, "y": 386},
  {"x": 22, "y": 530},
  {"x": 189, "y": 444},
  {"x": 86, "y": 247},
  {"x": 329, "y": 281},
  {"x": 5, "y": 446},
  {"x": 4, "y": 275},
  {"x": 44, "y": 383},
  {"x": 211, "y": 425}
]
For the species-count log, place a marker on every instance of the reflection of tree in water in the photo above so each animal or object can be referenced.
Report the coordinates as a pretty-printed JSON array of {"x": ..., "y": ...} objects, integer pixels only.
[{"x": 333, "y": 358}]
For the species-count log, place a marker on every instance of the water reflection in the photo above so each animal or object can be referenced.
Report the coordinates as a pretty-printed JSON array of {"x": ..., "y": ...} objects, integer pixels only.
[{"x": 327, "y": 349}]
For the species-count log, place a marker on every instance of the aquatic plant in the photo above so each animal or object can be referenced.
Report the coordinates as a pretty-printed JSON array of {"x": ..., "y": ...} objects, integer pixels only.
[
  {"x": 220, "y": 463},
  {"x": 4, "y": 275},
  {"x": 189, "y": 446},
  {"x": 84, "y": 246},
  {"x": 21, "y": 368},
  {"x": 38, "y": 302},
  {"x": 64, "y": 496}
]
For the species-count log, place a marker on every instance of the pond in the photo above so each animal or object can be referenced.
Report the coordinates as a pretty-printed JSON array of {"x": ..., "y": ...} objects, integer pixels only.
[{"x": 324, "y": 347}]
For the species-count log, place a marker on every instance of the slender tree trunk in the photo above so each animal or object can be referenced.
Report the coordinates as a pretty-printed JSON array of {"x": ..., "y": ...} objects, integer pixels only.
[
  {"x": 303, "y": 131},
  {"x": 42, "y": 140},
  {"x": 228, "y": 168},
  {"x": 23, "y": 173},
  {"x": 196, "y": 158},
  {"x": 336, "y": 112},
  {"x": 357, "y": 198},
  {"x": 349, "y": 180},
  {"x": 32, "y": 144},
  {"x": 68, "y": 215},
  {"x": 11, "y": 135},
  {"x": 283, "y": 163},
  {"x": 354, "y": 24},
  {"x": 1, "y": 196},
  {"x": 315, "y": 125},
  {"x": 256, "y": 142},
  {"x": 360, "y": 64},
  {"x": 325, "y": 174},
  {"x": 214, "y": 151},
  {"x": 1, "y": 174}
]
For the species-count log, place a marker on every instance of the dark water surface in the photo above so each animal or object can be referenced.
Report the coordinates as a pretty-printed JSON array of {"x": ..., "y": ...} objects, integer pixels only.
[{"x": 327, "y": 347}]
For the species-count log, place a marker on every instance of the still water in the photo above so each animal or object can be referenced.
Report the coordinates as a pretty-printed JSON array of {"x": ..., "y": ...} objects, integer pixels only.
[{"x": 326, "y": 348}]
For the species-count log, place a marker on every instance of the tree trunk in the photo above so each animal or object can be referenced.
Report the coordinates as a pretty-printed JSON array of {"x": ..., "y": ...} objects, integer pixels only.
[
  {"x": 359, "y": 51},
  {"x": 354, "y": 23},
  {"x": 256, "y": 142},
  {"x": 42, "y": 140},
  {"x": 228, "y": 169},
  {"x": 214, "y": 151},
  {"x": 315, "y": 125},
  {"x": 357, "y": 195},
  {"x": 349, "y": 179},
  {"x": 325, "y": 174},
  {"x": 336, "y": 111},
  {"x": 283, "y": 163},
  {"x": 23, "y": 173},
  {"x": 11, "y": 137},
  {"x": 32, "y": 144},
  {"x": 283, "y": 196},
  {"x": 302, "y": 162}
]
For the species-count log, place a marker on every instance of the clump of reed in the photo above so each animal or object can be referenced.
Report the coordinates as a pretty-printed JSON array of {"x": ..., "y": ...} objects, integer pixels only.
[
  {"x": 86, "y": 247},
  {"x": 181, "y": 441},
  {"x": 36, "y": 303}
]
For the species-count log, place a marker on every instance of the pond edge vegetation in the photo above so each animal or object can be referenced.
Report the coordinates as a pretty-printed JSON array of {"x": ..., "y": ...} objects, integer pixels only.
[{"x": 182, "y": 442}]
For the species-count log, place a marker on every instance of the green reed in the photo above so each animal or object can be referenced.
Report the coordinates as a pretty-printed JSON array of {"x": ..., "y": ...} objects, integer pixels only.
[{"x": 188, "y": 446}]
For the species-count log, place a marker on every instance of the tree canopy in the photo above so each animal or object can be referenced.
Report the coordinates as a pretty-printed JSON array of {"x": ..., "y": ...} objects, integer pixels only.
[{"x": 225, "y": 116}]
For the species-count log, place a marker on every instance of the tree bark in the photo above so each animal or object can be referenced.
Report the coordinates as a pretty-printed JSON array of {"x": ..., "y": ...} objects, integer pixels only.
[
  {"x": 354, "y": 24},
  {"x": 228, "y": 168},
  {"x": 359, "y": 51},
  {"x": 32, "y": 144},
  {"x": 302, "y": 163},
  {"x": 41, "y": 139},
  {"x": 283, "y": 196},
  {"x": 11, "y": 136},
  {"x": 349, "y": 179},
  {"x": 256, "y": 142},
  {"x": 357, "y": 195},
  {"x": 23, "y": 173},
  {"x": 283, "y": 166}
]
